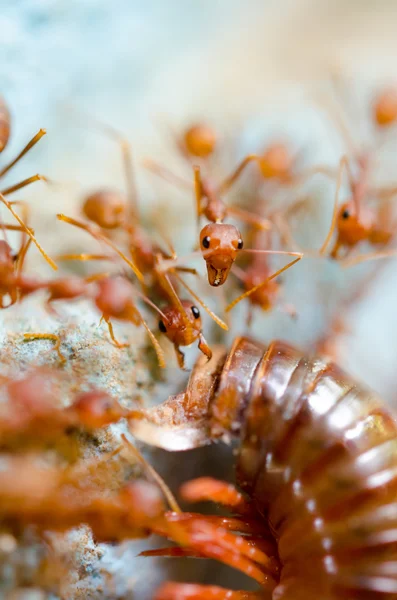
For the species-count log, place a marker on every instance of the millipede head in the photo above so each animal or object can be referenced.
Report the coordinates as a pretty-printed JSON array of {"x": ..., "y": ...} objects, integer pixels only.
[
  {"x": 219, "y": 243},
  {"x": 179, "y": 330},
  {"x": 106, "y": 208},
  {"x": 200, "y": 140}
]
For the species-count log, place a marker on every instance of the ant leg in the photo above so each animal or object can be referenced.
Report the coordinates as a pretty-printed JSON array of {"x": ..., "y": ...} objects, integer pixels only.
[
  {"x": 339, "y": 120},
  {"x": 47, "y": 336},
  {"x": 284, "y": 230},
  {"x": 186, "y": 270},
  {"x": 180, "y": 358},
  {"x": 97, "y": 234},
  {"x": 21, "y": 257},
  {"x": 360, "y": 258},
  {"x": 156, "y": 345},
  {"x": 24, "y": 151},
  {"x": 310, "y": 172},
  {"x": 191, "y": 591},
  {"x": 28, "y": 231},
  {"x": 198, "y": 192},
  {"x": 250, "y": 218},
  {"x": 166, "y": 174},
  {"x": 111, "y": 332},
  {"x": 22, "y": 184},
  {"x": 204, "y": 348},
  {"x": 232, "y": 178},
  {"x": 83, "y": 257},
  {"x": 174, "y": 506},
  {"x": 343, "y": 163},
  {"x": 25, "y": 217},
  {"x": 264, "y": 282},
  {"x": 126, "y": 153}
]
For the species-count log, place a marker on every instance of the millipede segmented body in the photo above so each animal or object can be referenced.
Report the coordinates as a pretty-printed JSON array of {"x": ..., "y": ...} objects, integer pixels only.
[{"x": 317, "y": 455}]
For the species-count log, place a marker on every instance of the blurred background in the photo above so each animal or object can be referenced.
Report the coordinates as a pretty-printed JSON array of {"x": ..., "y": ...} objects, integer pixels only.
[{"x": 252, "y": 69}]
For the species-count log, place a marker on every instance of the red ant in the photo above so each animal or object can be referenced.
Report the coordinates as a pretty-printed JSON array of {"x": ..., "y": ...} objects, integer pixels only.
[
  {"x": 173, "y": 325},
  {"x": 31, "y": 408},
  {"x": 5, "y": 127},
  {"x": 354, "y": 222},
  {"x": 11, "y": 263},
  {"x": 114, "y": 297},
  {"x": 220, "y": 243}
]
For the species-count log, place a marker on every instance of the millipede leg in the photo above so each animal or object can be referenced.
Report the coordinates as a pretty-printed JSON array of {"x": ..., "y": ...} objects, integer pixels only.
[
  {"x": 191, "y": 591},
  {"x": 214, "y": 490}
]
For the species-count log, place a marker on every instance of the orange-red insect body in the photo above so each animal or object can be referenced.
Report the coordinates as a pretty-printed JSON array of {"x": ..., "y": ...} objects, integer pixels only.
[
  {"x": 5, "y": 125},
  {"x": 385, "y": 108},
  {"x": 317, "y": 456},
  {"x": 199, "y": 140}
]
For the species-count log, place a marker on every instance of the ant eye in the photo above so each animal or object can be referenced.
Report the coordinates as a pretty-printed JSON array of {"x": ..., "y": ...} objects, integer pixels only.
[
  {"x": 345, "y": 214},
  {"x": 196, "y": 312},
  {"x": 162, "y": 327},
  {"x": 206, "y": 241},
  {"x": 240, "y": 244}
]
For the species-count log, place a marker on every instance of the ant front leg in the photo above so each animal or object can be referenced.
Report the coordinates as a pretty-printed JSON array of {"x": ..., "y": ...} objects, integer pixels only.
[
  {"x": 252, "y": 290},
  {"x": 111, "y": 332},
  {"x": 180, "y": 358},
  {"x": 232, "y": 178}
]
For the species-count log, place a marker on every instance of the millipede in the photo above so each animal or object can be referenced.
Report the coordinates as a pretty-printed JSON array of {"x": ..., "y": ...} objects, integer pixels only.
[{"x": 316, "y": 459}]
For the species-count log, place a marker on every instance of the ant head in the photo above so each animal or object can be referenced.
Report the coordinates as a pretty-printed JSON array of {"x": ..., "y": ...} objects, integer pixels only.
[
  {"x": 219, "y": 243},
  {"x": 67, "y": 288},
  {"x": 385, "y": 108},
  {"x": 106, "y": 208},
  {"x": 96, "y": 409},
  {"x": 200, "y": 140},
  {"x": 276, "y": 162},
  {"x": 179, "y": 330},
  {"x": 351, "y": 229},
  {"x": 115, "y": 299}
]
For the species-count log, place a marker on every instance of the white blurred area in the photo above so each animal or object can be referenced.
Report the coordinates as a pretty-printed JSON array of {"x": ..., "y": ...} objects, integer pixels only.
[{"x": 248, "y": 67}]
